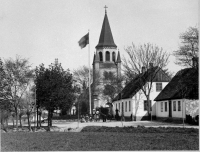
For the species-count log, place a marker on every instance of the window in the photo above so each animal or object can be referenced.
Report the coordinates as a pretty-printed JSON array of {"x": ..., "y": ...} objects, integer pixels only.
[
  {"x": 129, "y": 105},
  {"x": 179, "y": 105},
  {"x": 158, "y": 87},
  {"x": 126, "y": 106},
  {"x": 113, "y": 56},
  {"x": 100, "y": 56},
  {"x": 161, "y": 106},
  {"x": 146, "y": 105},
  {"x": 174, "y": 105},
  {"x": 165, "y": 106},
  {"x": 107, "y": 56}
]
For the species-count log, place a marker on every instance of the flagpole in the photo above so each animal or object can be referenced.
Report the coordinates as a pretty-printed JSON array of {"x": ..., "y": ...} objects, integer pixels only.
[{"x": 89, "y": 73}]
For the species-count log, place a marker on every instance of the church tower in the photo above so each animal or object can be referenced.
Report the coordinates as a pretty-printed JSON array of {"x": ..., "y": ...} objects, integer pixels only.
[{"x": 106, "y": 58}]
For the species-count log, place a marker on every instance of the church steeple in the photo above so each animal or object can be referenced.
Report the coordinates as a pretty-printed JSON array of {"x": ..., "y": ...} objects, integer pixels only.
[{"x": 106, "y": 38}]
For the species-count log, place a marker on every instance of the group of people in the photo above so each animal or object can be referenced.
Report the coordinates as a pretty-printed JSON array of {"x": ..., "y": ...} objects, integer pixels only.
[{"x": 90, "y": 118}]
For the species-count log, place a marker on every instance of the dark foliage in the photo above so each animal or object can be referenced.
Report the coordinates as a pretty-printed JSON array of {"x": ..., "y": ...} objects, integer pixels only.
[{"x": 54, "y": 88}]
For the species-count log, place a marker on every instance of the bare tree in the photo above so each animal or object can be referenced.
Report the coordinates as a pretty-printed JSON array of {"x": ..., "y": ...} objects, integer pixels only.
[
  {"x": 81, "y": 75},
  {"x": 113, "y": 85},
  {"x": 189, "y": 47},
  {"x": 149, "y": 56}
]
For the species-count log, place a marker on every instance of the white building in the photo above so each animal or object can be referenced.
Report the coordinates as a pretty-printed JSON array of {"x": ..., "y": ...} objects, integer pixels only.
[
  {"x": 133, "y": 102},
  {"x": 180, "y": 97}
]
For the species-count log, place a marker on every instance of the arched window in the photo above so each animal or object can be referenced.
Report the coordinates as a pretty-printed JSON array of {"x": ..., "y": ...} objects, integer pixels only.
[
  {"x": 100, "y": 56},
  {"x": 113, "y": 56},
  {"x": 107, "y": 56}
]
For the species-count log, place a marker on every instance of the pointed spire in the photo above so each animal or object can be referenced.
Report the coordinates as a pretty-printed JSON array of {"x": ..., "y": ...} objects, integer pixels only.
[
  {"x": 106, "y": 38},
  {"x": 118, "y": 57}
]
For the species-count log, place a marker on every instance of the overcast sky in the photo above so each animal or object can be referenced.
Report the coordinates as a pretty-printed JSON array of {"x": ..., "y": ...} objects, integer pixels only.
[{"x": 43, "y": 30}]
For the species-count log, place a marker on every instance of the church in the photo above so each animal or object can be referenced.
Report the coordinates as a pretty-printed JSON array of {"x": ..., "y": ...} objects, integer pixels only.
[{"x": 106, "y": 58}]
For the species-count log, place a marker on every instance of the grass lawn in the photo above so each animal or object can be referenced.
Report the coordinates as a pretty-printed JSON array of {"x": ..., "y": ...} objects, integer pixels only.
[{"x": 103, "y": 139}]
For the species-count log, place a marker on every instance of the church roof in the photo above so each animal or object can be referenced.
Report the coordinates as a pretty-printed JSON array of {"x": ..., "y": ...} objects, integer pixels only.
[{"x": 106, "y": 38}]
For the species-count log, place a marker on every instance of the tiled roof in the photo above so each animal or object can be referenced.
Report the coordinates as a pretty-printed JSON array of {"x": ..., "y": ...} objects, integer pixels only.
[
  {"x": 106, "y": 38},
  {"x": 140, "y": 80},
  {"x": 183, "y": 85}
]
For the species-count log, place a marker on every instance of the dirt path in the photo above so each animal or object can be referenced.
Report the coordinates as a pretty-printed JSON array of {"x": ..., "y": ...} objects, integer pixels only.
[{"x": 75, "y": 126}]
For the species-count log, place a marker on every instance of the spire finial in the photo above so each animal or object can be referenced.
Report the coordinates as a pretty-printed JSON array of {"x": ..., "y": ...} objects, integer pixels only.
[{"x": 105, "y": 9}]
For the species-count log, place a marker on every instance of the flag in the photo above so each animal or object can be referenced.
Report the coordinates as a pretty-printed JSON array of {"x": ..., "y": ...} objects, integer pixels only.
[{"x": 84, "y": 41}]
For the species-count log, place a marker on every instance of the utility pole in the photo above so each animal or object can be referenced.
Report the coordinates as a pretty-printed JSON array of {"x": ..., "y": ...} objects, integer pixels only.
[
  {"x": 183, "y": 113},
  {"x": 35, "y": 111},
  {"x": 78, "y": 113}
]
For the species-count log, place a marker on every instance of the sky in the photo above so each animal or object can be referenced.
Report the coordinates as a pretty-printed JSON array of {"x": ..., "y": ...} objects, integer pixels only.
[{"x": 42, "y": 30}]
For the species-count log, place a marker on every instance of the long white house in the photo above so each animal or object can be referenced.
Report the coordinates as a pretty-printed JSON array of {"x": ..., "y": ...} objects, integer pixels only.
[
  {"x": 132, "y": 102},
  {"x": 180, "y": 97}
]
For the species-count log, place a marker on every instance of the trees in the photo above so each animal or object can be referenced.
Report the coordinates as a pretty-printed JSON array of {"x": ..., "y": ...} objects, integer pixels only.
[
  {"x": 145, "y": 56},
  {"x": 81, "y": 75},
  {"x": 189, "y": 47},
  {"x": 4, "y": 104},
  {"x": 53, "y": 88},
  {"x": 113, "y": 85},
  {"x": 28, "y": 104},
  {"x": 17, "y": 77}
]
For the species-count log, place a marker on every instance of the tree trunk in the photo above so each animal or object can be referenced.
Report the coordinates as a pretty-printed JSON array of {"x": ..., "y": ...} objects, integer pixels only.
[
  {"x": 40, "y": 120},
  {"x": 48, "y": 120},
  {"x": 6, "y": 123},
  {"x": 134, "y": 117},
  {"x": 149, "y": 108},
  {"x": 13, "y": 121},
  {"x": 16, "y": 112},
  {"x": 37, "y": 116},
  {"x": 2, "y": 119},
  {"x": 51, "y": 114},
  {"x": 20, "y": 120},
  {"x": 29, "y": 124}
]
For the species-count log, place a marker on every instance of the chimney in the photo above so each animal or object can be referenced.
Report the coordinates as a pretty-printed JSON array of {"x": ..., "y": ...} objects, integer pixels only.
[
  {"x": 143, "y": 69},
  {"x": 150, "y": 65},
  {"x": 195, "y": 62}
]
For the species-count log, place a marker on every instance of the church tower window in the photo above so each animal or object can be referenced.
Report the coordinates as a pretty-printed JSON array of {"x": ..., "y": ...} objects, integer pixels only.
[
  {"x": 113, "y": 56},
  {"x": 107, "y": 56},
  {"x": 100, "y": 56}
]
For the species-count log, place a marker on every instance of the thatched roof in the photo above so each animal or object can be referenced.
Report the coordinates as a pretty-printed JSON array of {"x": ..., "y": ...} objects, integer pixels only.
[
  {"x": 183, "y": 85},
  {"x": 155, "y": 73}
]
